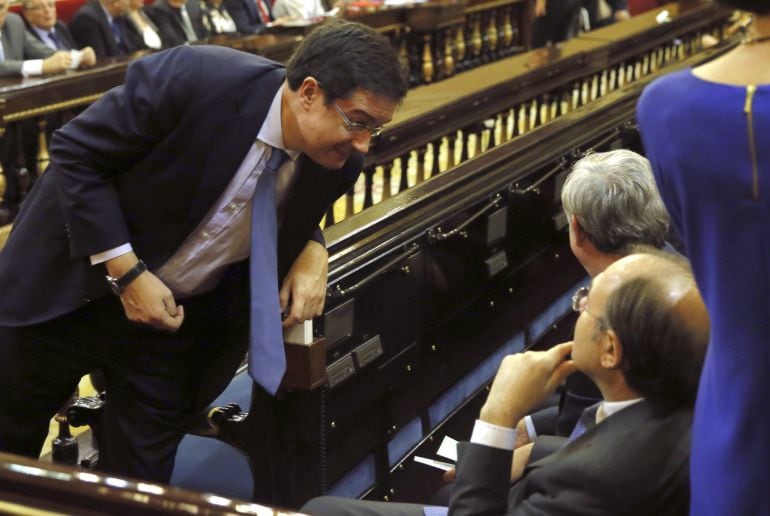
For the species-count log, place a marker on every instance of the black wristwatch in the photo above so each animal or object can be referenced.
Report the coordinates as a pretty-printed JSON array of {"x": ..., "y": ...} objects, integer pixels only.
[{"x": 118, "y": 285}]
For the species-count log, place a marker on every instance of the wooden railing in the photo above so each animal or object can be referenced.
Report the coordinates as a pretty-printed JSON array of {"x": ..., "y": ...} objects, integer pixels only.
[{"x": 443, "y": 125}]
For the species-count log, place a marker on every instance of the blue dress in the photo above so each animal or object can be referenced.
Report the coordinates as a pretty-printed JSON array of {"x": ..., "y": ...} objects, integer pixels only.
[{"x": 711, "y": 160}]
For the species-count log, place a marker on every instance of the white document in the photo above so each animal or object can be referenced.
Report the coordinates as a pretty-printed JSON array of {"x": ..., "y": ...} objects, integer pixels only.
[
  {"x": 448, "y": 449},
  {"x": 443, "y": 466}
]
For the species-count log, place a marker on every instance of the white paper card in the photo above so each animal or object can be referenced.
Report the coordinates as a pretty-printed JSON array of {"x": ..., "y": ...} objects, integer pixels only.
[
  {"x": 443, "y": 466},
  {"x": 448, "y": 449}
]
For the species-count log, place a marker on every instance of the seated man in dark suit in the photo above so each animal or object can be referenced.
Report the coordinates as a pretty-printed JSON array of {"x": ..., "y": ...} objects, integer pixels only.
[
  {"x": 101, "y": 25},
  {"x": 24, "y": 56},
  {"x": 641, "y": 337},
  {"x": 178, "y": 21},
  {"x": 250, "y": 16},
  {"x": 41, "y": 21}
]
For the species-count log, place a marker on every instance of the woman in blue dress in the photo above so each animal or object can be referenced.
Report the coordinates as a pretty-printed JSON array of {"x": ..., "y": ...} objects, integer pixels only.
[{"x": 707, "y": 133}]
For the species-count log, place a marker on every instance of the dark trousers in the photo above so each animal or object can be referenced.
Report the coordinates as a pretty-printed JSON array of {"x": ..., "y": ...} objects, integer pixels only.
[{"x": 155, "y": 380}]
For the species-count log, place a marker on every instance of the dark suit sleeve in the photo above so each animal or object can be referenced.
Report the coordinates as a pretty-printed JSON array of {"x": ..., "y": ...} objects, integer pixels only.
[
  {"x": 483, "y": 488},
  {"x": 111, "y": 136},
  {"x": 483, "y": 480},
  {"x": 545, "y": 420}
]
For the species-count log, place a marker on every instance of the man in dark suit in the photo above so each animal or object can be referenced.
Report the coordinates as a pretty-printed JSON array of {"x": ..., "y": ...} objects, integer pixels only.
[
  {"x": 24, "y": 56},
  {"x": 179, "y": 167},
  {"x": 178, "y": 21},
  {"x": 101, "y": 25},
  {"x": 641, "y": 337},
  {"x": 41, "y": 21},
  {"x": 250, "y": 16}
]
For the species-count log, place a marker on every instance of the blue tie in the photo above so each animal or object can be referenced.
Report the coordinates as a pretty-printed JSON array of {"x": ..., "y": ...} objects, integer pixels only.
[
  {"x": 586, "y": 421},
  {"x": 267, "y": 361}
]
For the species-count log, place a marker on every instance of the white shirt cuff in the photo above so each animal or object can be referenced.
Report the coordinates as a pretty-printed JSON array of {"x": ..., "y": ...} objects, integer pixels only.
[
  {"x": 109, "y": 254},
  {"x": 32, "y": 67},
  {"x": 531, "y": 430},
  {"x": 493, "y": 435}
]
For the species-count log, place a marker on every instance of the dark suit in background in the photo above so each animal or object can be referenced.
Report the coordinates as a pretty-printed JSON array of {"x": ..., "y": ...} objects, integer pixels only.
[
  {"x": 19, "y": 46},
  {"x": 169, "y": 21},
  {"x": 91, "y": 28},
  {"x": 246, "y": 15}
]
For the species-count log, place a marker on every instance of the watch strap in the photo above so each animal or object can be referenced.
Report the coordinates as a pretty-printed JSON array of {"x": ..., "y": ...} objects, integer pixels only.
[{"x": 119, "y": 284}]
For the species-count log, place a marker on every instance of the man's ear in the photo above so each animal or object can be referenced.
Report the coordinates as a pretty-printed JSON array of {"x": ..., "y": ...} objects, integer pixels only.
[
  {"x": 577, "y": 230},
  {"x": 308, "y": 91},
  {"x": 611, "y": 351}
]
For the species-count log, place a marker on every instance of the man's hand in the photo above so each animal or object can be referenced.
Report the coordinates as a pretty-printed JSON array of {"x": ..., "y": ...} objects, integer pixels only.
[
  {"x": 621, "y": 15},
  {"x": 57, "y": 62},
  {"x": 146, "y": 300},
  {"x": 87, "y": 57},
  {"x": 523, "y": 381},
  {"x": 303, "y": 292}
]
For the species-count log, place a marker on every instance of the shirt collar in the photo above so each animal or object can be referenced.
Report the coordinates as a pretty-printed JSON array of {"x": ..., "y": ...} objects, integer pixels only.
[
  {"x": 608, "y": 408},
  {"x": 106, "y": 12},
  {"x": 42, "y": 32},
  {"x": 271, "y": 131}
]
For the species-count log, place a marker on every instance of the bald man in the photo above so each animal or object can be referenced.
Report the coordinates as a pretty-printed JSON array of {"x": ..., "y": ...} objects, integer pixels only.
[{"x": 641, "y": 337}]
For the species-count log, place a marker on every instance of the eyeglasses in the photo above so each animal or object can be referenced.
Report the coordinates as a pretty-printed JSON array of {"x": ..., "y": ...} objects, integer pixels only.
[
  {"x": 580, "y": 304},
  {"x": 358, "y": 127}
]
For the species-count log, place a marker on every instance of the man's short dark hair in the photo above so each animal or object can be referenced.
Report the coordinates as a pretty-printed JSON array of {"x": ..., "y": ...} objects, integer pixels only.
[
  {"x": 344, "y": 56},
  {"x": 663, "y": 348}
]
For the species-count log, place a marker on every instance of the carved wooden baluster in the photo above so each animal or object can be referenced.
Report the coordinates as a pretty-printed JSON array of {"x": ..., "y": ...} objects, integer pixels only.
[
  {"x": 532, "y": 115},
  {"x": 507, "y": 30},
  {"x": 43, "y": 158},
  {"x": 554, "y": 111},
  {"x": 403, "y": 183},
  {"x": 646, "y": 64},
  {"x": 523, "y": 126},
  {"x": 630, "y": 73},
  {"x": 460, "y": 64},
  {"x": 566, "y": 105},
  {"x": 661, "y": 57},
  {"x": 436, "y": 155},
  {"x": 387, "y": 176},
  {"x": 451, "y": 159},
  {"x": 680, "y": 54},
  {"x": 510, "y": 124},
  {"x": 427, "y": 59},
  {"x": 438, "y": 56},
  {"x": 23, "y": 179},
  {"x": 420, "y": 165},
  {"x": 603, "y": 86},
  {"x": 621, "y": 75},
  {"x": 637, "y": 69},
  {"x": 403, "y": 53},
  {"x": 492, "y": 36},
  {"x": 476, "y": 40},
  {"x": 498, "y": 130},
  {"x": 478, "y": 134},
  {"x": 594, "y": 94},
  {"x": 612, "y": 81},
  {"x": 667, "y": 54},
  {"x": 575, "y": 95},
  {"x": 449, "y": 59},
  {"x": 583, "y": 90},
  {"x": 369, "y": 187},
  {"x": 544, "y": 111}
]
